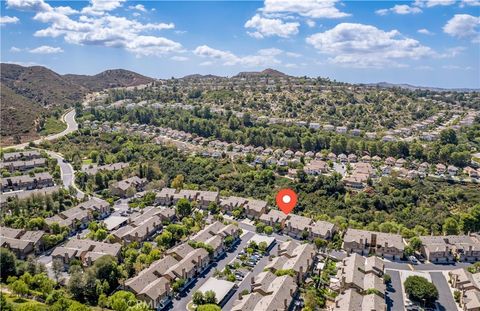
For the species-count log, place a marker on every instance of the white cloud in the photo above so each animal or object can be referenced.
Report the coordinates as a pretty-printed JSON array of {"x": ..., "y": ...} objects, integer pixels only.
[
  {"x": 264, "y": 57},
  {"x": 45, "y": 49},
  {"x": 179, "y": 58},
  {"x": 470, "y": 3},
  {"x": 401, "y": 9},
  {"x": 306, "y": 8},
  {"x": 97, "y": 27},
  {"x": 425, "y": 31},
  {"x": 292, "y": 54},
  {"x": 266, "y": 27},
  {"x": 138, "y": 7},
  {"x": 206, "y": 63},
  {"x": 99, "y": 7},
  {"x": 8, "y": 20},
  {"x": 432, "y": 3},
  {"x": 310, "y": 23},
  {"x": 14, "y": 49},
  {"x": 463, "y": 26},
  {"x": 28, "y": 5},
  {"x": 360, "y": 45}
]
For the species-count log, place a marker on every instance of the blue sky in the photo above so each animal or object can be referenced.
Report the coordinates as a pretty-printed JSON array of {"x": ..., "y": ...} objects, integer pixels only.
[{"x": 423, "y": 42}]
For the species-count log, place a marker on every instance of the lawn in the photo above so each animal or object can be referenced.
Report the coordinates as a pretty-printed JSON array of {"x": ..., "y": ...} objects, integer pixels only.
[
  {"x": 23, "y": 302},
  {"x": 53, "y": 126}
]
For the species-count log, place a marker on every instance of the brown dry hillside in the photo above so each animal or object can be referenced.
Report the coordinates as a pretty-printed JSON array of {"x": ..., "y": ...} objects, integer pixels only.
[
  {"x": 27, "y": 93},
  {"x": 108, "y": 79}
]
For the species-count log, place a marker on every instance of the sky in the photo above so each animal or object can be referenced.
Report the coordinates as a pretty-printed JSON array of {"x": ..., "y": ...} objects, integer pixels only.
[{"x": 422, "y": 42}]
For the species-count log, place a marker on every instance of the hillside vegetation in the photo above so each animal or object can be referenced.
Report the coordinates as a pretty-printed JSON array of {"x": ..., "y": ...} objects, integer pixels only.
[{"x": 30, "y": 94}]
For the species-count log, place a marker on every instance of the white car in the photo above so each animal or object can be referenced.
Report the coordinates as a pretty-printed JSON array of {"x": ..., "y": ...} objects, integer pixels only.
[{"x": 413, "y": 260}]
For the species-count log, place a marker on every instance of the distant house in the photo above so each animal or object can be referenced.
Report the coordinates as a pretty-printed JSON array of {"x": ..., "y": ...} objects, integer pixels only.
[
  {"x": 452, "y": 170},
  {"x": 473, "y": 173},
  {"x": 316, "y": 167},
  {"x": 165, "y": 197},
  {"x": 128, "y": 187},
  {"x": 255, "y": 208},
  {"x": 468, "y": 285},
  {"x": 440, "y": 168},
  {"x": 22, "y": 155},
  {"x": 27, "y": 182}
]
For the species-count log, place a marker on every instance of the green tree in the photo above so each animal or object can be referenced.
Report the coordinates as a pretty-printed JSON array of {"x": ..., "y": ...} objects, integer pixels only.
[
  {"x": 184, "y": 208},
  {"x": 420, "y": 289},
  {"x": 415, "y": 243},
  {"x": 448, "y": 136},
  {"x": 177, "y": 182},
  {"x": 198, "y": 298},
  {"x": 121, "y": 300},
  {"x": 210, "y": 297},
  {"x": 19, "y": 288},
  {"x": 7, "y": 263},
  {"x": 268, "y": 230},
  {"x": 450, "y": 226}
]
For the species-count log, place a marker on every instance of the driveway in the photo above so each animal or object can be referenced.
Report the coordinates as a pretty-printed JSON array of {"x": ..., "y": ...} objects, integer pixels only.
[
  {"x": 445, "y": 298},
  {"x": 186, "y": 297},
  {"x": 394, "y": 294},
  {"x": 245, "y": 284}
]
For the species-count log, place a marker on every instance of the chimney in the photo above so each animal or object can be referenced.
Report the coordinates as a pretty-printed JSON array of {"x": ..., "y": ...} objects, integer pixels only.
[
  {"x": 361, "y": 241},
  {"x": 291, "y": 292},
  {"x": 184, "y": 275},
  {"x": 285, "y": 303},
  {"x": 239, "y": 296},
  {"x": 199, "y": 260},
  {"x": 167, "y": 287},
  {"x": 386, "y": 244}
]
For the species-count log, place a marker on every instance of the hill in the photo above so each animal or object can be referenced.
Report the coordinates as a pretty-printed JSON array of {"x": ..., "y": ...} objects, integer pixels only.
[
  {"x": 108, "y": 79},
  {"x": 30, "y": 93},
  {"x": 265, "y": 73}
]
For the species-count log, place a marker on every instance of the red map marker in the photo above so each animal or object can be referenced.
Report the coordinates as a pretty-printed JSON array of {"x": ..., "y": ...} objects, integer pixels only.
[{"x": 286, "y": 200}]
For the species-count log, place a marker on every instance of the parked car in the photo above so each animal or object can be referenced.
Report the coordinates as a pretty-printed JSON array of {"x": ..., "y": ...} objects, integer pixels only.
[{"x": 413, "y": 260}]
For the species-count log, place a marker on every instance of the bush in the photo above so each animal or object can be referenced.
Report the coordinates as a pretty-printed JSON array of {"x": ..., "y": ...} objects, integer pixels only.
[
  {"x": 420, "y": 289},
  {"x": 387, "y": 278}
]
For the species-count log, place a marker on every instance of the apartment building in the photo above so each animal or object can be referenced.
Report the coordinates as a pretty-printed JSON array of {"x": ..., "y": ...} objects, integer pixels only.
[
  {"x": 21, "y": 242},
  {"x": 365, "y": 242},
  {"x": 450, "y": 248},
  {"x": 27, "y": 182},
  {"x": 469, "y": 286},
  {"x": 268, "y": 292},
  {"x": 294, "y": 256},
  {"x": 87, "y": 251}
]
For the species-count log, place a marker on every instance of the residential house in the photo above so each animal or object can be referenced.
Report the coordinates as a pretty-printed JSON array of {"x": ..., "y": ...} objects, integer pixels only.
[
  {"x": 351, "y": 300},
  {"x": 87, "y": 251},
  {"x": 316, "y": 167},
  {"x": 21, "y": 155},
  {"x": 27, "y": 182},
  {"x": 128, "y": 187},
  {"x": 205, "y": 198},
  {"x": 21, "y": 242},
  {"x": 469, "y": 286},
  {"x": 152, "y": 285},
  {"x": 231, "y": 203},
  {"x": 361, "y": 274},
  {"x": 365, "y": 242},
  {"x": 255, "y": 208},
  {"x": 274, "y": 218},
  {"x": 23, "y": 166},
  {"x": 165, "y": 197},
  {"x": 294, "y": 256},
  {"x": 451, "y": 247},
  {"x": 268, "y": 292}
]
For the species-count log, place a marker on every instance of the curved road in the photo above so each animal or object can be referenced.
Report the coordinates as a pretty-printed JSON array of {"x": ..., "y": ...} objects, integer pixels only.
[
  {"x": 72, "y": 126},
  {"x": 66, "y": 169}
]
